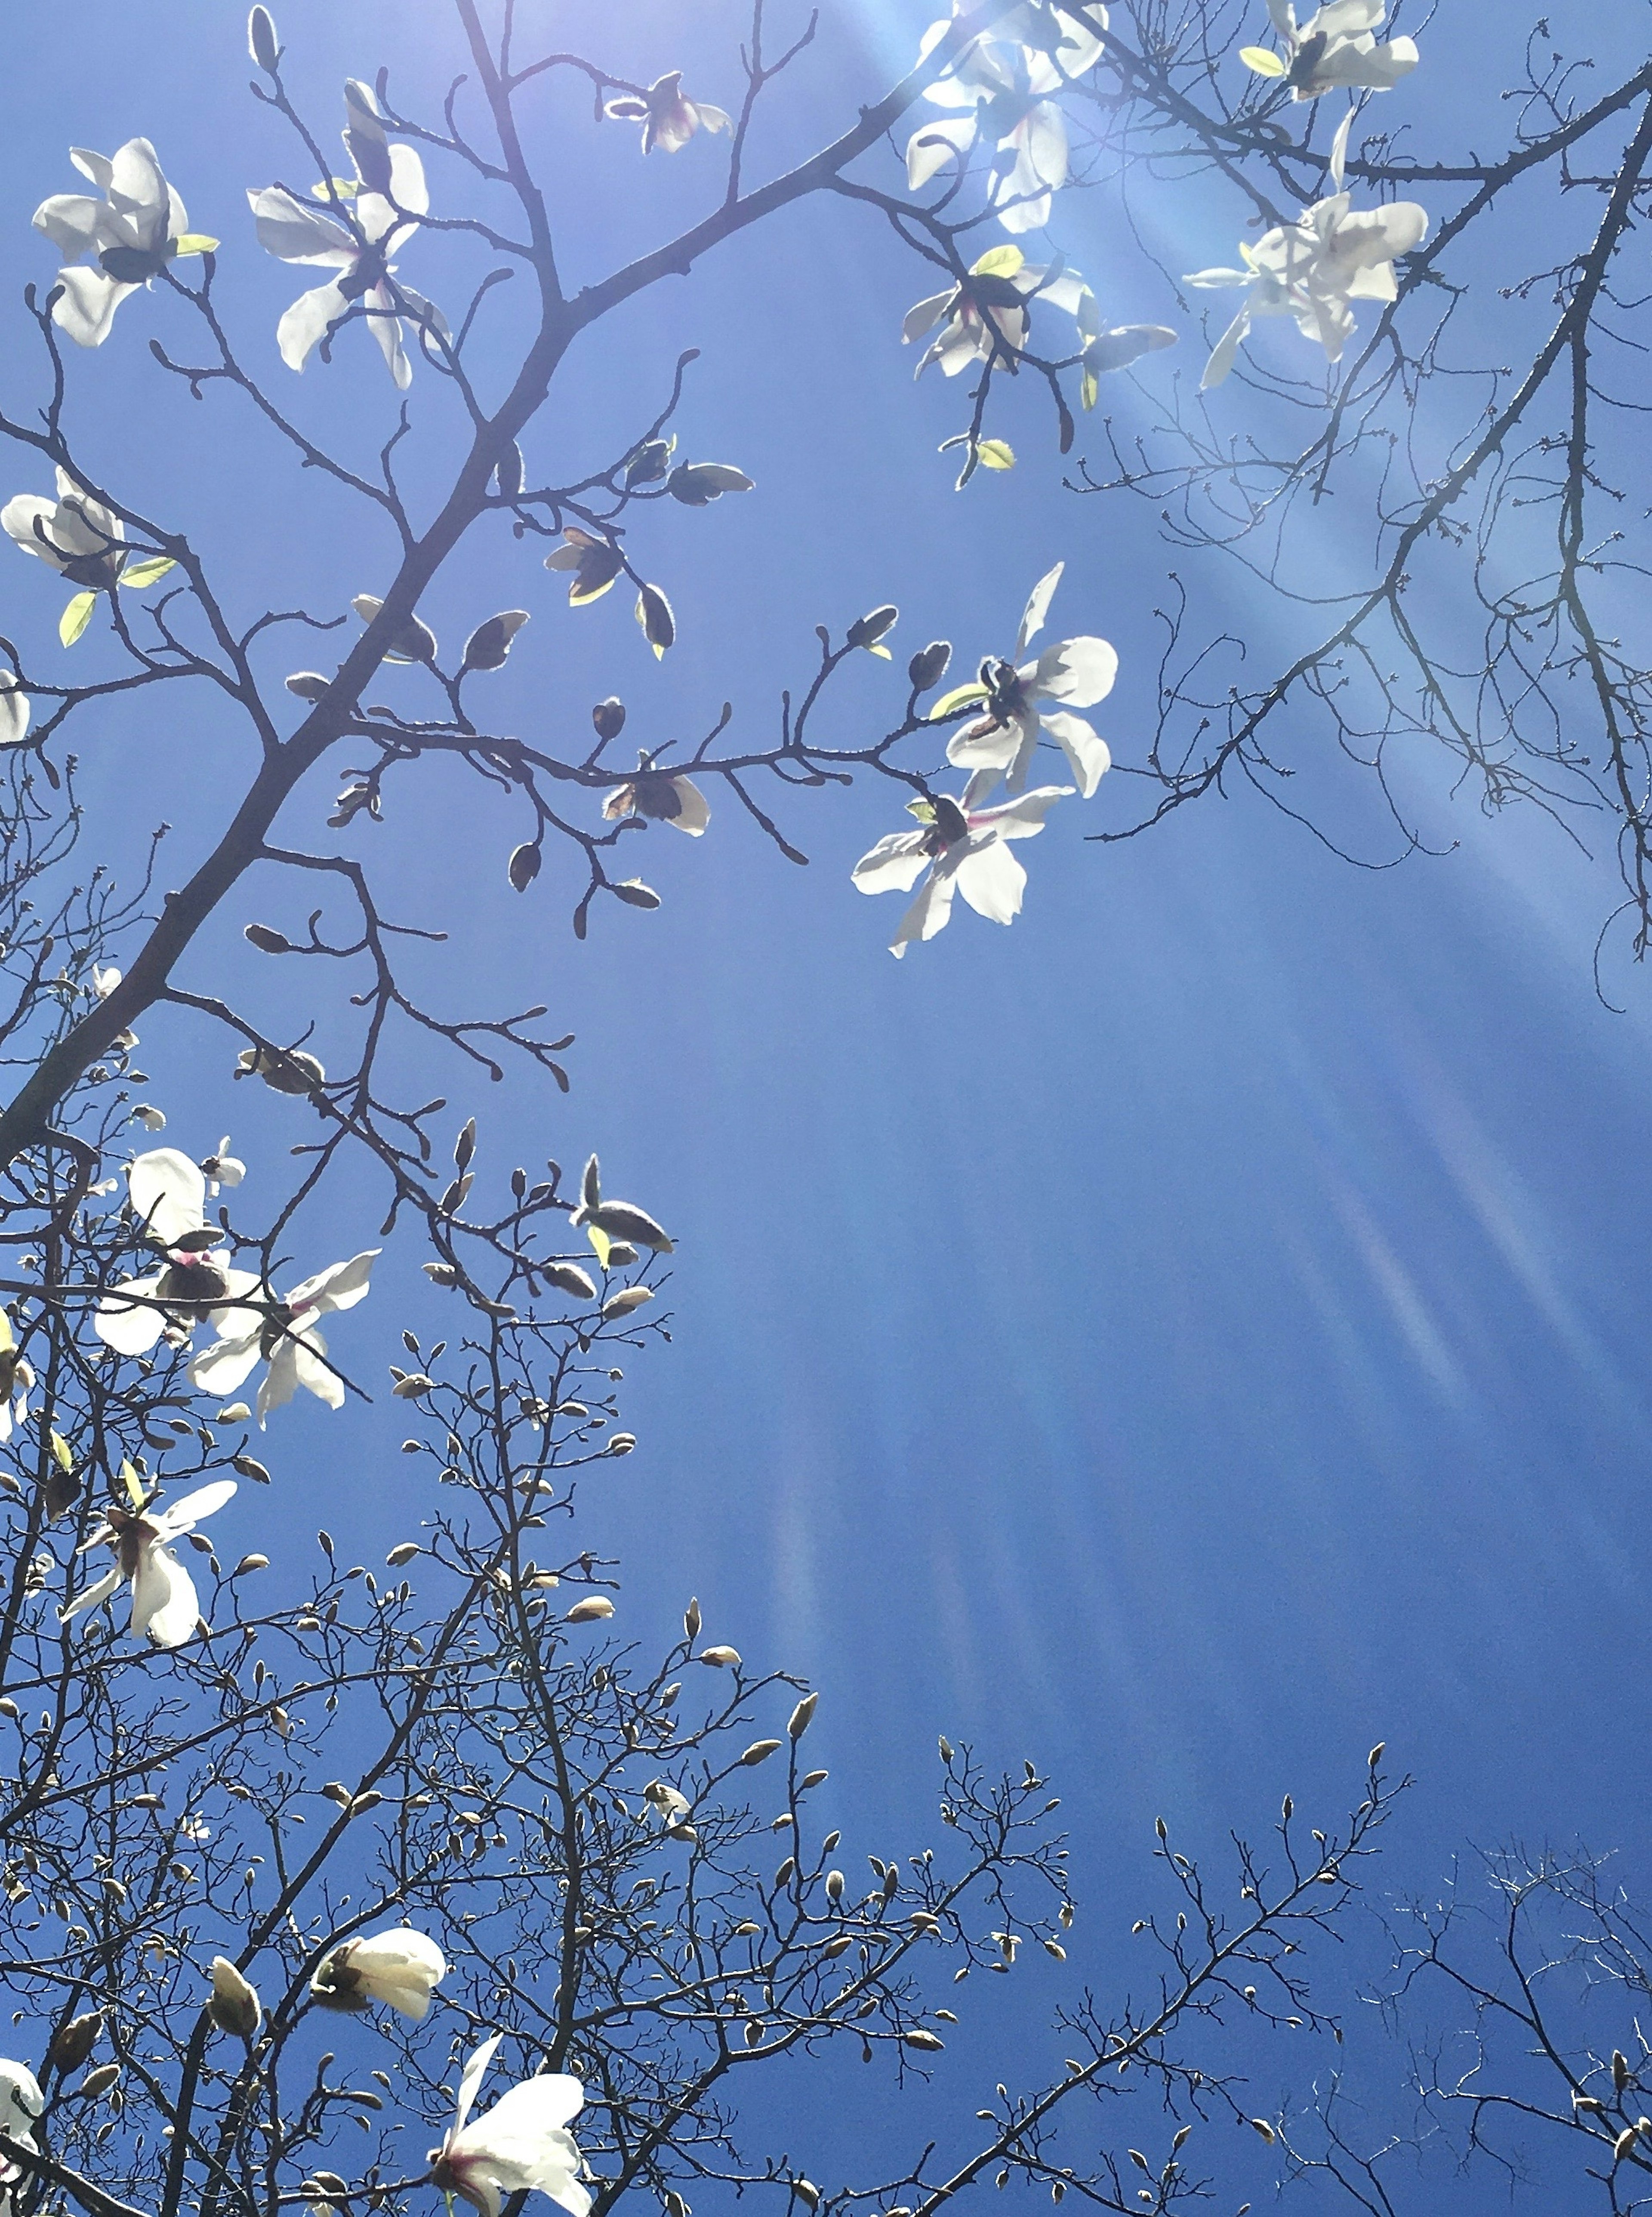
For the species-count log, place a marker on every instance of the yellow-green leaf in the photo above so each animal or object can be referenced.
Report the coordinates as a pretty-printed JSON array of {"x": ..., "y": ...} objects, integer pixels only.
[
  {"x": 75, "y": 616},
  {"x": 149, "y": 572},
  {"x": 600, "y": 1240},
  {"x": 582, "y": 598},
  {"x": 346, "y": 188},
  {"x": 923, "y": 809},
  {"x": 959, "y": 697},
  {"x": 62, "y": 1453},
  {"x": 999, "y": 261},
  {"x": 996, "y": 455},
  {"x": 196, "y": 242},
  {"x": 881, "y": 653},
  {"x": 1263, "y": 60},
  {"x": 1091, "y": 388},
  {"x": 133, "y": 1485}
]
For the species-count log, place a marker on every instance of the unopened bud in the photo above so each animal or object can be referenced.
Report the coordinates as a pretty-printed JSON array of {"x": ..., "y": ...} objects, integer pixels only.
[
  {"x": 99, "y": 2081},
  {"x": 609, "y": 717},
  {"x": 402, "y": 1553},
  {"x": 928, "y": 666},
  {"x": 261, "y": 40},
  {"x": 801, "y": 1718},
  {"x": 234, "y": 2005},
  {"x": 721, "y": 1658},
  {"x": 590, "y": 1610}
]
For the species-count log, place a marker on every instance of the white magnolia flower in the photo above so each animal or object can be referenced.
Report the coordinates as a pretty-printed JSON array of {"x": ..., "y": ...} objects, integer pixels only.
[
  {"x": 661, "y": 798},
  {"x": 1025, "y": 697},
  {"x": 1337, "y": 45},
  {"x": 961, "y": 847},
  {"x": 105, "y": 979},
  {"x": 130, "y": 232},
  {"x": 74, "y": 534},
  {"x": 223, "y": 1168},
  {"x": 521, "y": 2144},
  {"x": 987, "y": 315},
  {"x": 168, "y": 1194},
  {"x": 13, "y": 710},
  {"x": 1313, "y": 268},
  {"x": 1115, "y": 346},
  {"x": 284, "y": 1335},
  {"x": 1006, "y": 86},
  {"x": 400, "y": 1967},
  {"x": 21, "y": 2105},
  {"x": 387, "y": 194},
  {"x": 16, "y": 1378},
  {"x": 163, "y": 1602},
  {"x": 669, "y": 118}
]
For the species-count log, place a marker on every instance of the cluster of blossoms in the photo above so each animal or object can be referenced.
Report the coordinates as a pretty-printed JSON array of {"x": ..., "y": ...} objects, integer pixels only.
[
  {"x": 961, "y": 846},
  {"x": 521, "y": 2145}
]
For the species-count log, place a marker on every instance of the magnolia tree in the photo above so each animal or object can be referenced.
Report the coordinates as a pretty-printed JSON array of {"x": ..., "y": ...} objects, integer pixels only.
[{"x": 399, "y": 1880}]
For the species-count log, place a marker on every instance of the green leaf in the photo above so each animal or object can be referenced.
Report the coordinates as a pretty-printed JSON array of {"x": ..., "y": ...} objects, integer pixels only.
[
  {"x": 999, "y": 261},
  {"x": 996, "y": 455},
  {"x": 149, "y": 572},
  {"x": 1263, "y": 60},
  {"x": 346, "y": 188},
  {"x": 881, "y": 653},
  {"x": 1089, "y": 391},
  {"x": 195, "y": 242},
  {"x": 600, "y": 1240},
  {"x": 76, "y": 617},
  {"x": 960, "y": 696}
]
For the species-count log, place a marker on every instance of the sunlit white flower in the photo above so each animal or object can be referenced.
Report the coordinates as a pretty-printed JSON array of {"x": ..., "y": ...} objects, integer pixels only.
[
  {"x": 165, "y": 1606},
  {"x": 13, "y": 710},
  {"x": 1337, "y": 45},
  {"x": 1023, "y": 698},
  {"x": 661, "y": 798},
  {"x": 1314, "y": 269},
  {"x": 386, "y": 195},
  {"x": 961, "y": 847},
  {"x": 74, "y": 534},
  {"x": 234, "y": 2006},
  {"x": 1005, "y": 85},
  {"x": 223, "y": 1168},
  {"x": 168, "y": 1194},
  {"x": 985, "y": 316},
  {"x": 401, "y": 1968},
  {"x": 16, "y": 1379},
  {"x": 130, "y": 232},
  {"x": 284, "y": 1335},
  {"x": 21, "y": 2105},
  {"x": 105, "y": 979},
  {"x": 669, "y": 118},
  {"x": 522, "y": 2143}
]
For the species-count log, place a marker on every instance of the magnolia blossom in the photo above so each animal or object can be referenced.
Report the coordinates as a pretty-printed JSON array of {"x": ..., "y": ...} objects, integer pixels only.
[
  {"x": 985, "y": 316},
  {"x": 130, "y": 232},
  {"x": 1313, "y": 268},
  {"x": 1006, "y": 88},
  {"x": 223, "y": 1168},
  {"x": 16, "y": 1378},
  {"x": 21, "y": 2105},
  {"x": 669, "y": 118},
  {"x": 1023, "y": 698},
  {"x": 522, "y": 2143},
  {"x": 661, "y": 798},
  {"x": 1335, "y": 46},
  {"x": 401, "y": 1968},
  {"x": 168, "y": 1194},
  {"x": 283, "y": 1334},
  {"x": 163, "y": 1602},
  {"x": 13, "y": 710},
  {"x": 74, "y": 534},
  {"x": 961, "y": 846},
  {"x": 387, "y": 190}
]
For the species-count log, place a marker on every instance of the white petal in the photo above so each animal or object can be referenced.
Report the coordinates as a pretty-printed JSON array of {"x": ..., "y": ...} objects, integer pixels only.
[
  {"x": 1079, "y": 672},
  {"x": 220, "y": 1369},
  {"x": 1086, "y": 751},
  {"x": 340, "y": 1285},
  {"x": 293, "y": 232},
  {"x": 1037, "y": 608},
  {"x": 933, "y": 909},
  {"x": 164, "y": 1601},
  {"x": 923, "y": 315},
  {"x": 1021, "y": 819},
  {"x": 694, "y": 812},
  {"x": 125, "y": 1326},
  {"x": 13, "y": 718},
  {"x": 992, "y": 881},
  {"x": 1225, "y": 351},
  {"x": 73, "y": 222},
  {"x": 385, "y": 324},
  {"x": 280, "y": 1382},
  {"x": 475, "y": 2071},
  {"x": 314, "y": 1375},
  {"x": 92, "y": 1596},
  {"x": 183, "y": 1516},
  {"x": 168, "y": 1193},
  {"x": 407, "y": 186},
  {"x": 308, "y": 321},
  {"x": 18, "y": 518},
  {"x": 894, "y": 865},
  {"x": 931, "y": 147}
]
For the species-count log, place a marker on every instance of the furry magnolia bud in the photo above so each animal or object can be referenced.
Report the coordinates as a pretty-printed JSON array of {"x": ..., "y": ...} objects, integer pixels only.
[
  {"x": 799, "y": 1721},
  {"x": 261, "y": 40}
]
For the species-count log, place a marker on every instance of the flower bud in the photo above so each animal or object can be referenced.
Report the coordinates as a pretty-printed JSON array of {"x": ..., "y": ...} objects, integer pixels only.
[
  {"x": 798, "y": 1723},
  {"x": 250, "y": 1563},
  {"x": 73, "y": 2042},
  {"x": 247, "y": 1465},
  {"x": 622, "y": 1303},
  {"x": 308, "y": 684},
  {"x": 404, "y": 1551},
  {"x": 590, "y": 1610},
  {"x": 508, "y": 472},
  {"x": 489, "y": 644},
  {"x": 635, "y": 894},
  {"x": 920, "y": 2037},
  {"x": 99, "y": 2081},
  {"x": 609, "y": 717},
  {"x": 524, "y": 866},
  {"x": 1261, "y": 2125},
  {"x": 721, "y": 1658},
  {"x": 691, "y": 1619},
  {"x": 234, "y": 2006},
  {"x": 867, "y": 630},
  {"x": 568, "y": 1278},
  {"x": 928, "y": 666},
  {"x": 261, "y": 40},
  {"x": 621, "y": 1443},
  {"x": 759, "y": 1752},
  {"x": 834, "y": 1883}
]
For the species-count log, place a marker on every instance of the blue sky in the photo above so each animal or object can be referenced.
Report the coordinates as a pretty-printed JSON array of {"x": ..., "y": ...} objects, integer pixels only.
[{"x": 1185, "y": 1338}]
